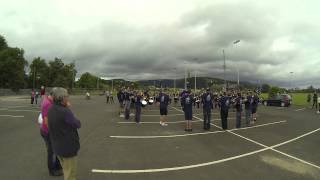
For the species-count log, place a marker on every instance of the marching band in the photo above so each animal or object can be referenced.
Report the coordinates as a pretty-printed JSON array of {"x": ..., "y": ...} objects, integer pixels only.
[{"x": 130, "y": 100}]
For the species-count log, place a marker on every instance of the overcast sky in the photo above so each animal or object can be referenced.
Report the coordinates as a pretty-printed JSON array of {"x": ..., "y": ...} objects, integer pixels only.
[{"x": 148, "y": 39}]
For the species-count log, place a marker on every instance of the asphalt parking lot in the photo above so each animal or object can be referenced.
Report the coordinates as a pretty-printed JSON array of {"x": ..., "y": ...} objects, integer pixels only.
[{"x": 283, "y": 144}]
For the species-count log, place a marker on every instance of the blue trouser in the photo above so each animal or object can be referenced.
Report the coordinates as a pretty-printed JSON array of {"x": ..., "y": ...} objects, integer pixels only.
[
  {"x": 52, "y": 160},
  {"x": 248, "y": 116},
  {"x": 238, "y": 119},
  {"x": 127, "y": 109},
  {"x": 206, "y": 118},
  {"x": 224, "y": 118},
  {"x": 138, "y": 113}
]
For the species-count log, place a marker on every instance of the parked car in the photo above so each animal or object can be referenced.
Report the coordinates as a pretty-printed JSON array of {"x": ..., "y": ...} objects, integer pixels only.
[{"x": 283, "y": 100}]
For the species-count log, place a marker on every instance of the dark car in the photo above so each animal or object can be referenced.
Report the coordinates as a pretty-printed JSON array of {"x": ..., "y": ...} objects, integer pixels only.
[{"x": 283, "y": 100}]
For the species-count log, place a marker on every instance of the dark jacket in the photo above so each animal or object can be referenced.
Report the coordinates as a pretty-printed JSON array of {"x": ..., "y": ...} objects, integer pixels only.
[
  {"x": 63, "y": 131},
  {"x": 207, "y": 100}
]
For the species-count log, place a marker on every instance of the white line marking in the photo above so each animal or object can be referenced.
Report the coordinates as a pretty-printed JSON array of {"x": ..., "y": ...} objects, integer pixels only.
[
  {"x": 190, "y": 134},
  {"x": 214, "y": 162},
  {"x": 261, "y": 125},
  {"x": 158, "y": 115},
  {"x": 298, "y": 159},
  {"x": 153, "y": 122},
  {"x": 165, "y": 136},
  {"x": 300, "y": 109},
  {"x": 4, "y": 115},
  {"x": 177, "y": 168},
  {"x": 294, "y": 139},
  {"x": 19, "y": 110},
  {"x": 283, "y": 143}
]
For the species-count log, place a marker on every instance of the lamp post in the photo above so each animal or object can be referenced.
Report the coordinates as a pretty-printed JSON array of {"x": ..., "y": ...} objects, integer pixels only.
[
  {"x": 291, "y": 79},
  {"x": 185, "y": 75},
  {"x": 224, "y": 67},
  {"x": 34, "y": 76}
]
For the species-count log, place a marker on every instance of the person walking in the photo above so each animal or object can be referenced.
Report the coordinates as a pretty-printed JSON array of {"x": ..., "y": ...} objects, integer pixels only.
[
  {"x": 33, "y": 94},
  {"x": 64, "y": 137},
  {"x": 53, "y": 162}
]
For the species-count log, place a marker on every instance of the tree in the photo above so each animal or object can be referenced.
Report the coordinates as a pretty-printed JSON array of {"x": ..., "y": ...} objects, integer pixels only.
[
  {"x": 60, "y": 74},
  {"x": 265, "y": 88},
  {"x": 12, "y": 63},
  {"x": 88, "y": 80},
  {"x": 3, "y": 43},
  {"x": 273, "y": 91},
  {"x": 39, "y": 73}
]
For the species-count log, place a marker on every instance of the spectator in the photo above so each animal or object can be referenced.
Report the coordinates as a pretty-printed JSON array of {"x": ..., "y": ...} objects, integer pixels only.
[
  {"x": 315, "y": 99},
  {"x": 64, "y": 136},
  {"x": 52, "y": 160}
]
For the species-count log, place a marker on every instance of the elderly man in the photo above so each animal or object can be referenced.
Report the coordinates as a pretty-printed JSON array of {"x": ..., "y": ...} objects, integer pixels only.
[{"x": 63, "y": 127}]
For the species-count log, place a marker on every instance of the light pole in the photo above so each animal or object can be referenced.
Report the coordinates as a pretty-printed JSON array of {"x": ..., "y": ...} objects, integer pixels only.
[
  {"x": 185, "y": 75},
  {"x": 195, "y": 76},
  {"x": 291, "y": 79},
  {"x": 34, "y": 76},
  {"x": 224, "y": 67},
  {"x": 174, "y": 81},
  {"x": 224, "y": 70},
  {"x": 73, "y": 74}
]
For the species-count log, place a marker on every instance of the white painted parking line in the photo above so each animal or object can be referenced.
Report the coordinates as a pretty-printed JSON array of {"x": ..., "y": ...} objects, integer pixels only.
[
  {"x": 177, "y": 168},
  {"x": 217, "y": 161},
  {"x": 165, "y": 136},
  {"x": 153, "y": 122},
  {"x": 13, "y": 116},
  {"x": 261, "y": 125},
  {"x": 192, "y": 134},
  {"x": 300, "y": 109},
  {"x": 22, "y": 110},
  {"x": 158, "y": 115}
]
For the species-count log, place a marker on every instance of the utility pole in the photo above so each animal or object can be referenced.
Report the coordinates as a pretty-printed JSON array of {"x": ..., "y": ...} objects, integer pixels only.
[
  {"x": 185, "y": 76},
  {"x": 195, "y": 81},
  {"x": 112, "y": 85},
  {"x": 34, "y": 76},
  {"x": 73, "y": 74},
  {"x": 224, "y": 70}
]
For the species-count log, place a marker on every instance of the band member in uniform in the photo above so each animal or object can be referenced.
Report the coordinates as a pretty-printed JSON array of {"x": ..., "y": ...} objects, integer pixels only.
[
  {"x": 207, "y": 103},
  {"x": 187, "y": 100},
  {"x": 163, "y": 100},
  {"x": 248, "y": 107},
  {"x": 137, "y": 101},
  {"x": 120, "y": 96},
  {"x": 255, "y": 102},
  {"x": 224, "y": 109},
  {"x": 238, "y": 106},
  {"x": 127, "y": 104}
]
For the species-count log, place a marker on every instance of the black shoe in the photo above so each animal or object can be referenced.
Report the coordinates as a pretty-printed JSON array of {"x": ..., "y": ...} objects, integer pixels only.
[{"x": 56, "y": 173}]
